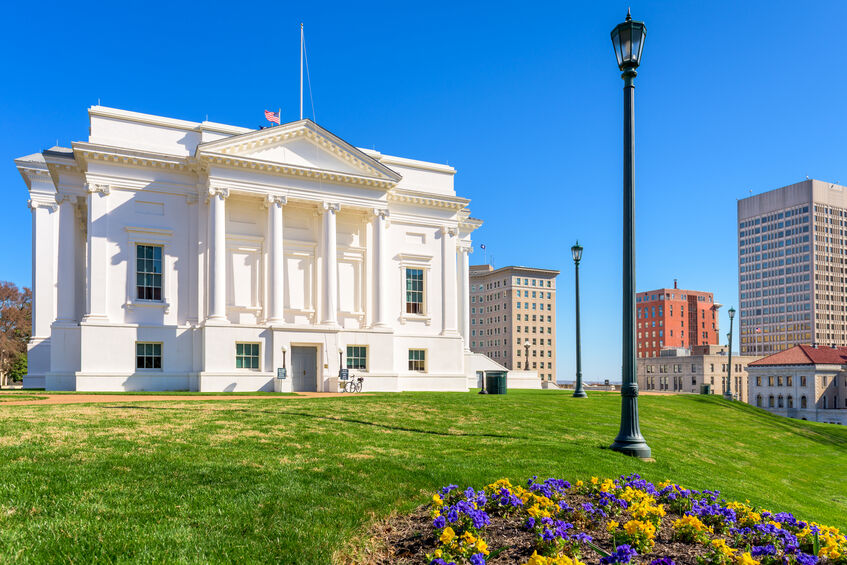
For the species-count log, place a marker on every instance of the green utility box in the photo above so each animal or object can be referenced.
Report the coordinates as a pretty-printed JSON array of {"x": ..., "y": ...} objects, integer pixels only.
[
  {"x": 705, "y": 389},
  {"x": 495, "y": 382}
]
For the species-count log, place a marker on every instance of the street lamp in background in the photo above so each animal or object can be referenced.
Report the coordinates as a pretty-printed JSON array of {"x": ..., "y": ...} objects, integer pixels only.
[
  {"x": 728, "y": 392},
  {"x": 576, "y": 251},
  {"x": 526, "y": 347},
  {"x": 628, "y": 41}
]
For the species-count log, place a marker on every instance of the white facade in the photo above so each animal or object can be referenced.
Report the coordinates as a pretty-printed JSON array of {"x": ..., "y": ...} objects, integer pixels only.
[{"x": 219, "y": 248}]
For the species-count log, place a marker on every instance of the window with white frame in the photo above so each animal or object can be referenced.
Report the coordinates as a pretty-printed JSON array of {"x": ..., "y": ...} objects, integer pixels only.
[
  {"x": 414, "y": 291},
  {"x": 357, "y": 357},
  {"x": 247, "y": 356},
  {"x": 148, "y": 355},
  {"x": 417, "y": 360},
  {"x": 148, "y": 272}
]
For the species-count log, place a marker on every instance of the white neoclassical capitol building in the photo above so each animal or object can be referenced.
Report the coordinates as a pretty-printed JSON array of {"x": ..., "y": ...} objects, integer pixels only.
[{"x": 170, "y": 254}]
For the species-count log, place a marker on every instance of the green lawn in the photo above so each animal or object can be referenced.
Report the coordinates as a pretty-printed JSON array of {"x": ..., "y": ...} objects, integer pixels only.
[{"x": 290, "y": 480}]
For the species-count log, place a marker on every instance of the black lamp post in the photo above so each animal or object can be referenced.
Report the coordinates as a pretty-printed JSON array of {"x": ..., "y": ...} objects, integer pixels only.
[
  {"x": 728, "y": 392},
  {"x": 576, "y": 251},
  {"x": 628, "y": 41},
  {"x": 526, "y": 347}
]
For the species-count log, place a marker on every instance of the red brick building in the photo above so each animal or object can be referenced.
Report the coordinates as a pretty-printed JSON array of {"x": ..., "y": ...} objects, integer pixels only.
[{"x": 672, "y": 317}]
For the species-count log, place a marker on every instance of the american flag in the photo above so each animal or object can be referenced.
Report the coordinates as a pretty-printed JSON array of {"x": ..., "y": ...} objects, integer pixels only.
[{"x": 272, "y": 116}]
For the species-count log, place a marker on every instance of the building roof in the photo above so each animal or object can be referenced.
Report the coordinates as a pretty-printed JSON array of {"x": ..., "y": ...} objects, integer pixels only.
[
  {"x": 805, "y": 355},
  {"x": 488, "y": 269}
]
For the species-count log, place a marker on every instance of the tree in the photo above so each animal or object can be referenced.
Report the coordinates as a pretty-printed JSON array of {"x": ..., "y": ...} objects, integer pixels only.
[{"x": 15, "y": 326}]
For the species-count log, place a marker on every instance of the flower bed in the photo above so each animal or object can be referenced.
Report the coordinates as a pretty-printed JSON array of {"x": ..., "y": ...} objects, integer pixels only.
[{"x": 628, "y": 520}]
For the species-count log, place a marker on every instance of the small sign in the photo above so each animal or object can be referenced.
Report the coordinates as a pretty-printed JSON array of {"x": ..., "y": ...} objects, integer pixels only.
[
  {"x": 344, "y": 374},
  {"x": 280, "y": 373}
]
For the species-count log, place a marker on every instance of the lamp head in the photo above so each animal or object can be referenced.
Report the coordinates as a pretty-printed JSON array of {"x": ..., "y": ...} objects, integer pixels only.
[
  {"x": 576, "y": 251},
  {"x": 731, "y": 312},
  {"x": 628, "y": 41}
]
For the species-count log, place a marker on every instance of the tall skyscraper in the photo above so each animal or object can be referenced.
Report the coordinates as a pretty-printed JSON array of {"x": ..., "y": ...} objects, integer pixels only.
[
  {"x": 509, "y": 306},
  {"x": 792, "y": 253},
  {"x": 673, "y": 317}
]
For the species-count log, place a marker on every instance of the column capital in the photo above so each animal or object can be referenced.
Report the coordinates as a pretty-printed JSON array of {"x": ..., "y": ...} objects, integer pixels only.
[
  {"x": 34, "y": 204},
  {"x": 92, "y": 188},
  {"x": 380, "y": 212},
  {"x": 449, "y": 230},
  {"x": 218, "y": 192},
  {"x": 275, "y": 200},
  {"x": 465, "y": 247},
  {"x": 331, "y": 206}
]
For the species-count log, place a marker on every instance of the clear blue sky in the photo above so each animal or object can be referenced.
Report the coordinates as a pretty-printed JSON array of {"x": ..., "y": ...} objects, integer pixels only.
[{"x": 524, "y": 99}]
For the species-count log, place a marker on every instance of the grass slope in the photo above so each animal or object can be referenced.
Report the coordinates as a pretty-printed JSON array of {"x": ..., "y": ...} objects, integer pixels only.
[{"x": 292, "y": 480}]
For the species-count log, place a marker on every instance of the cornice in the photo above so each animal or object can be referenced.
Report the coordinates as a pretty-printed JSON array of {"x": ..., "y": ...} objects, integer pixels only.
[
  {"x": 428, "y": 199},
  {"x": 269, "y": 137},
  {"x": 84, "y": 152},
  {"x": 103, "y": 189},
  {"x": 264, "y": 166}
]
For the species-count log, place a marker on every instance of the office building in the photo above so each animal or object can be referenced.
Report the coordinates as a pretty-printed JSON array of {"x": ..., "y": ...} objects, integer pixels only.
[
  {"x": 792, "y": 254},
  {"x": 673, "y": 317},
  {"x": 700, "y": 369},
  {"x": 510, "y": 306}
]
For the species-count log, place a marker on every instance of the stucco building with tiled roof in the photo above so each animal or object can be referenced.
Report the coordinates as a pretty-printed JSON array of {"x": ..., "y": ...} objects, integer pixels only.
[{"x": 806, "y": 381}]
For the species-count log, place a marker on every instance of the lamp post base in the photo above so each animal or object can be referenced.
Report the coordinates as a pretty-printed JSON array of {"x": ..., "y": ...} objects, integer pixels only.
[
  {"x": 580, "y": 394},
  {"x": 632, "y": 446}
]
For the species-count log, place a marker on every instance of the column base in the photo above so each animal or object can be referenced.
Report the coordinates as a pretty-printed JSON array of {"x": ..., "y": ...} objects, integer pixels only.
[
  {"x": 94, "y": 318},
  {"x": 632, "y": 446},
  {"x": 216, "y": 321}
]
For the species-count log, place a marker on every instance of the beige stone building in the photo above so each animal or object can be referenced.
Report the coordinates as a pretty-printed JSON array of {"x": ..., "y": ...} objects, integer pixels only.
[
  {"x": 807, "y": 382},
  {"x": 792, "y": 254},
  {"x": 509, "y": 306},
  {"x": 687, "y": 370}
]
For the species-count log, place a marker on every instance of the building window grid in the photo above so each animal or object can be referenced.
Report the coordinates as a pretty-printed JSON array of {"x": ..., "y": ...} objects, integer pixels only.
[
  {"x": 148, "y": 275},
  {"x": 148, "y": 355},
  {"x": 247, "y": 356}
]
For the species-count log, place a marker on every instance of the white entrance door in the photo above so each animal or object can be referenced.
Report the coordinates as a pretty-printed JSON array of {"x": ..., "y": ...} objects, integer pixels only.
[{"x": 304, "y": 369}]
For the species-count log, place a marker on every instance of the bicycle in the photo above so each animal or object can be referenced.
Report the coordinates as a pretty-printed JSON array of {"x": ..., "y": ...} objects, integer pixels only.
[{"x": 353, "y": 384}]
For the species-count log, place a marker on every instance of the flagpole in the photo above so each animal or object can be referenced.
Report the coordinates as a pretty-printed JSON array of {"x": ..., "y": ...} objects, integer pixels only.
[{"x": 301, "y": 70}]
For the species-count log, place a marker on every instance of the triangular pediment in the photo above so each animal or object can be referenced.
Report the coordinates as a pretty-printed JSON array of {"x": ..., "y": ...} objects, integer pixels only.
[{"x": 301, "y": 145}]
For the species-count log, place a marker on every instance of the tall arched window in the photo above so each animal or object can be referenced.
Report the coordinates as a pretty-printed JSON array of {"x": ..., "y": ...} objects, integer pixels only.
[
  {"x": 803, "y": 401},
  {"x": 770, "y": 401},
  {"x": 790, "y": 401},
  {"x": 759, "y": 400},
  {"x": 779, "y": 402}
]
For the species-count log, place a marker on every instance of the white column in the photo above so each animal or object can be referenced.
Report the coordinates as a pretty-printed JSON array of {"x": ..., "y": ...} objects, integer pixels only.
[
  {"x": 464, "y": 282},
  {"x": 217, "y": 254},
  {"x": 448, "y": 281},
  {"x": 66, "y": 275},
  {"x": 277, "y": 259},
  {"x": 42, "y": 268},
  {"x": 330, "y": 287},
  {"x": 381, "y": 275},
  {"x": 97, "y": 289}
]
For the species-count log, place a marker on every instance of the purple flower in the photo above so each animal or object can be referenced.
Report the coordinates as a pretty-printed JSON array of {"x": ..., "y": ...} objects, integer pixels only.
[
  {"x": 623, "y": 554},
  {"x": 806, "y": 559},
  {"x": 477, "y": 559},
  {"x": 760, "y": 550},
  {"x": 439, "y": 522},
  {"x": 662, "y": 561}
]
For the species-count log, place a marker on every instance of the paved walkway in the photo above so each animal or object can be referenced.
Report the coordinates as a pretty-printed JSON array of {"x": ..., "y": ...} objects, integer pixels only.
[{"x": 47, "y": 398}]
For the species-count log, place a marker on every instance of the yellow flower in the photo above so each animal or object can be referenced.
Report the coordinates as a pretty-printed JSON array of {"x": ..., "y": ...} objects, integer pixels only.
[
  {"x": 746, "y": 559},
  {"x": 438, "y": 553},
  {"x": 594, "y": 480},
  {"x": 481, "y": 546},
  {"x": 447, "y": 535},
  {"x": 468, "y": 538},
  {"x": 437, "y": 500},
  {"x": 612, "y": 525},
  {"x": 724, "y": 549},
  {"x": 579, "y": 483},
  {"x": 637, "y": 526}
]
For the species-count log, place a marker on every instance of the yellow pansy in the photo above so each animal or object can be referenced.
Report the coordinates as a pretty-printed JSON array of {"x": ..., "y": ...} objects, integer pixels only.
[
  {"x": 746, "y": 559},
  {"x": 447, "y": 535},
  {"x": 437, "y": 500}
]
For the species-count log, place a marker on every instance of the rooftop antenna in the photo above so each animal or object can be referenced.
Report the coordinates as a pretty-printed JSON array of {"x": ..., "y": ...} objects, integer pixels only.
[{"x": 301, "y": 70}]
